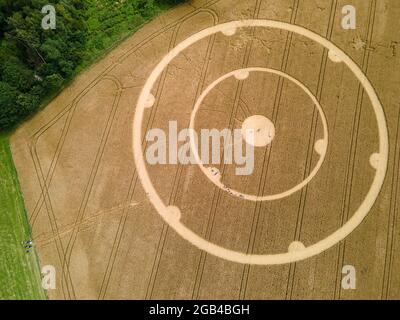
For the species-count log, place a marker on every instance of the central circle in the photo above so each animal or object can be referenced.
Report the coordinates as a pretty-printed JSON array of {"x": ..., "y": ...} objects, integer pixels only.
[{"x": 258, "y": 131}]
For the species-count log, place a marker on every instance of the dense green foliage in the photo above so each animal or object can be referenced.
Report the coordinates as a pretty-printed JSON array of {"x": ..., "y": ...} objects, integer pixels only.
[{"x": 36, "y": 63}]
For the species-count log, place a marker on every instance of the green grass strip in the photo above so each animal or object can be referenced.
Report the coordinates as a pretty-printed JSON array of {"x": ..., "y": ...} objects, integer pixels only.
[{"x": 19, "y": 271}]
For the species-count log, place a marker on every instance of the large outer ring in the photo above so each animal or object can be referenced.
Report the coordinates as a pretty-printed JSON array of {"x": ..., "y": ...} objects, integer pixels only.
[
  {"x": 234, "y": 192},
  {"x": 287, "y": 257}
]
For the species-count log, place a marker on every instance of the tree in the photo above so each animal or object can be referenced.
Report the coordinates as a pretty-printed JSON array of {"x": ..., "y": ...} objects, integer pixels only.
[
  {"x": 8, "y": 103},
  {"x": 16, "y": 74}
]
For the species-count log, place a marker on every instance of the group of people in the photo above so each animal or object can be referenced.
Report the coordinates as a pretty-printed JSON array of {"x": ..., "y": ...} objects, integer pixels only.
[{"x": 28, "y": 245}]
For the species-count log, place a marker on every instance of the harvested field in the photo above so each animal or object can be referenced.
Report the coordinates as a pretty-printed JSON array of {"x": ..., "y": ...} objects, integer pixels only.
[{"x": 93, "y": 220}]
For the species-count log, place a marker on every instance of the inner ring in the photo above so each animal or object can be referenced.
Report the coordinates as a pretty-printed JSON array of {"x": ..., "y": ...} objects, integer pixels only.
[{"x": 321, "y": 145}]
